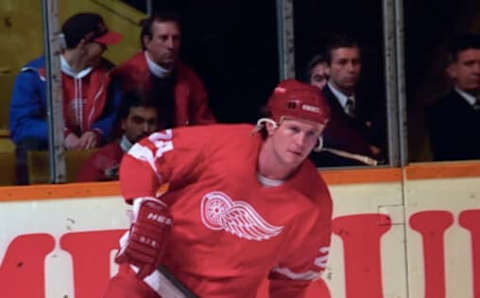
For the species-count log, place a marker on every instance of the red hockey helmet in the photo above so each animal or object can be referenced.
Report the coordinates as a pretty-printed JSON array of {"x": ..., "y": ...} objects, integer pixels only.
[{"x": 299, "y": 100}]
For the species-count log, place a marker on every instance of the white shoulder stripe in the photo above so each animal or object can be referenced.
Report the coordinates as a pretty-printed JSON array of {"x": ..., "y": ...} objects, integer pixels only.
[{"x": 144, "y": 153}]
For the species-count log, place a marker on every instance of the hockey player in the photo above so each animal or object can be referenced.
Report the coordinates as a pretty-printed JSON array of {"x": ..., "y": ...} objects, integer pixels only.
[{"x": 240, "y": 207}]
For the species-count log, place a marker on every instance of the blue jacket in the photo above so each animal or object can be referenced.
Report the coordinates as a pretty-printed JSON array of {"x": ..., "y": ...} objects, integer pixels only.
[{"x": 28, "y": 106}]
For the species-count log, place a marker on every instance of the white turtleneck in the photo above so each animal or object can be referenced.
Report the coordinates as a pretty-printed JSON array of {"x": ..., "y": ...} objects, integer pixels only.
[
  {"x": 67, "y": 69},
  {"x": 157, "y": 70}
]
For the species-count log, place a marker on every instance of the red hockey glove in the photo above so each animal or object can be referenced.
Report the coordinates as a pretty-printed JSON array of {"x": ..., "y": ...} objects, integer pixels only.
[{"x": 146, "y": 240}]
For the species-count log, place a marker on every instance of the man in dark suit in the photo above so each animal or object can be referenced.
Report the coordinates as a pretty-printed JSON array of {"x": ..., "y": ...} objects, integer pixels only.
[
  {"x": 454, "y": 119},
  {"x": 350, "y": 129}
]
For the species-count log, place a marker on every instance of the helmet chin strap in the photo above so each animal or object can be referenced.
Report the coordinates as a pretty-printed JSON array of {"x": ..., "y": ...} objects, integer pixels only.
[
  {"x": 319, "y": 146},
  {"x": 261, "y": 123}
]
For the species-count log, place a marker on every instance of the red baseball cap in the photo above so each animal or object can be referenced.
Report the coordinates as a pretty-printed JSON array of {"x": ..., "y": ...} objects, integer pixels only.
[
  {"x": 109, "y": 38},
  {"x": 298, "y": 100},
  {"x": 88, "y": 26}
]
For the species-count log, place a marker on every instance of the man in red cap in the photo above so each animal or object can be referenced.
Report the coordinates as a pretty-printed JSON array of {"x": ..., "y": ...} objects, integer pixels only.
[
  {"x": 85, "y": 78},
  {"x": 89, "y": 100},
  {"x": 244, "y": 203}
]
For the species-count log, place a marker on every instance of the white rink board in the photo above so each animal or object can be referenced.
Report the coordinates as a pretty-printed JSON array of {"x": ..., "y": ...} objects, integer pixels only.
[
  {"x": 57, "y": 218},
  {"x": 391, "y": 242},
  {"x": 453, "y": 196}
]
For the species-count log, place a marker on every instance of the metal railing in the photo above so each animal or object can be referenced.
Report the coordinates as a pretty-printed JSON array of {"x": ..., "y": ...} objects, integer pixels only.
[
  {"x": 54, "y": 44},
  {"x": 393, "y": 34}
]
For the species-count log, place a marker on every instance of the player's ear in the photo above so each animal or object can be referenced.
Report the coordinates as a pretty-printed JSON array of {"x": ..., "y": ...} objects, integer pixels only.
[{"x": 271, "y": 127}]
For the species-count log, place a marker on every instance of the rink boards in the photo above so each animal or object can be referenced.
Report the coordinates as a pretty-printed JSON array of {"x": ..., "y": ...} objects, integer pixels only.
[{"x": 411, "y": 232}]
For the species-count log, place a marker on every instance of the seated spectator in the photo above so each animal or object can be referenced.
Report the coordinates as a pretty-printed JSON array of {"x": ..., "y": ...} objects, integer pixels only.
[
  {"x": 350, "y": 129},
  {"x": 454, "y": 118},
  {"x": 88, "y": 107},
  {"x": 158, "y": 67},
  {"x": 317, "y": 71},
  {"x": 89, "y": 100},
  {"x": 138, "y": 119}
]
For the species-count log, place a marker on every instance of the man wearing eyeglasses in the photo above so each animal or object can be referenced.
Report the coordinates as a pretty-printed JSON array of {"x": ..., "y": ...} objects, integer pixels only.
[
  {"x": 85, "y": 81},
  {"x": 89, "y": 100}
]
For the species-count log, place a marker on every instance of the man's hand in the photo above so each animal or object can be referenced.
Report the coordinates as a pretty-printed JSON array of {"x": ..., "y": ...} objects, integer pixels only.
[
  {"x": 72, "y": 142},
  {"x": 88, "y": 140},
  {"x": 375, "y": 150},
  {"x": 146, "y": 240}
]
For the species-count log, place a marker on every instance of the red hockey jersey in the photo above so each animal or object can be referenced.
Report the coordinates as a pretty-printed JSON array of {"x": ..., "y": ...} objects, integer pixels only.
[{"x": 229, "y": 231}]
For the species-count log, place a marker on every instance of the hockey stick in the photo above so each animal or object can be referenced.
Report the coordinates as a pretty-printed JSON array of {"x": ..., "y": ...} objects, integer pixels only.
[
  {"x": 361, "y": 158},
  {"x": 171, "y": 287}
]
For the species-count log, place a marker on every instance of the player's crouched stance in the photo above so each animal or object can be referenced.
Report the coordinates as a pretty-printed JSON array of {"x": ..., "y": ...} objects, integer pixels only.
[{"x": 240, "y": 207}]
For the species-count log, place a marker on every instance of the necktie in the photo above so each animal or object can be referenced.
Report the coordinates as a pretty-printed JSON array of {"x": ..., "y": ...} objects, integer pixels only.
[
  {"x": 476, "y": 105},
  {"x": 350, "y": 107}
]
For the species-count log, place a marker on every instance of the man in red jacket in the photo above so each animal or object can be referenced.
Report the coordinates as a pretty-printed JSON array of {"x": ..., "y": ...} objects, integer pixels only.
[
  {"x": 157, "y": 69},
  {"x": 244, "y": 203}
]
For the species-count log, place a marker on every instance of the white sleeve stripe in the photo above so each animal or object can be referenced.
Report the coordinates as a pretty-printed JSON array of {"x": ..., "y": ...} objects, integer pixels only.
[
  {"x": 144, "y": 153},
  {"x": 309, "y": 275},
  {"x": 320, "y": 262},
  {"x": 138, "y": 201}
]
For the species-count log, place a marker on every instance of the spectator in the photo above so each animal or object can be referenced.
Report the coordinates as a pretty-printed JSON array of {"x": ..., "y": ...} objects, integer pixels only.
[
  {"x": 89, "y": 99},
  {"x": 85, "y": 79},
  {"x": 241, "y": 206},
  {"x": 349, "y": 130},
  {"x": 454, "y": 118},
  {"x": 138, "y": 119},
  {"x": 317, "y": 71},
  {"x": 158, "y": 67}
]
